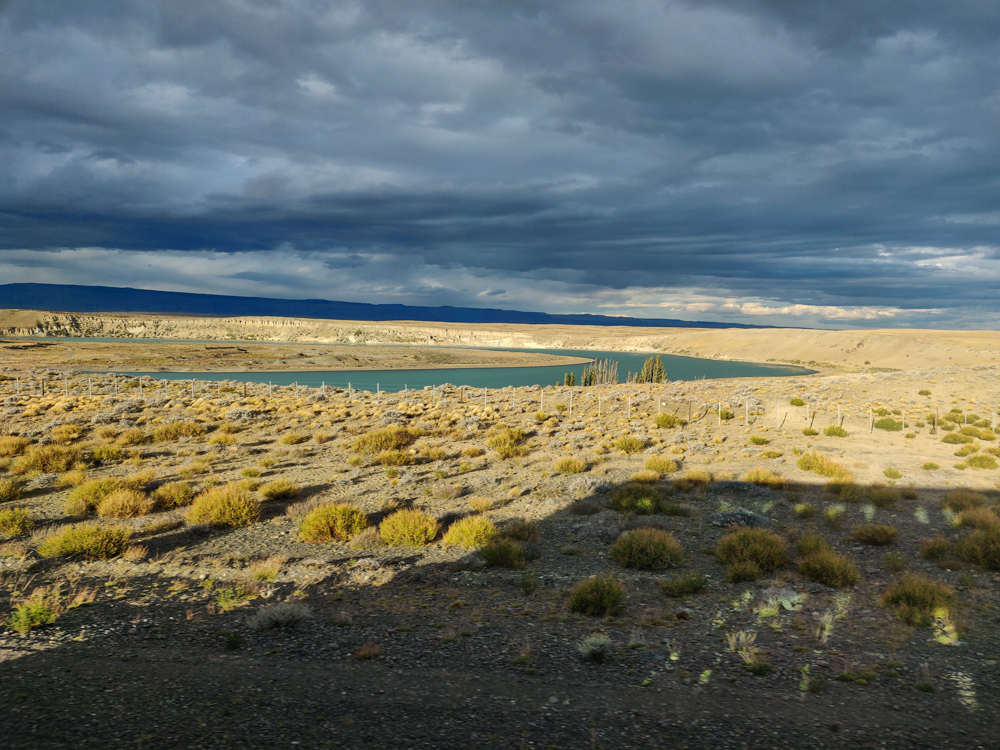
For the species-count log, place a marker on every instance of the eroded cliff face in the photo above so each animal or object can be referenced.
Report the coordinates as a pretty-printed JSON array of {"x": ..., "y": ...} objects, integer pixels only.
[{"x": 897, "y": 349}]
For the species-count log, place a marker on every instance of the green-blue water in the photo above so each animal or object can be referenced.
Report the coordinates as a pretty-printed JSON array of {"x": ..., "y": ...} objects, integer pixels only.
[{"x": 678, "y": 368}]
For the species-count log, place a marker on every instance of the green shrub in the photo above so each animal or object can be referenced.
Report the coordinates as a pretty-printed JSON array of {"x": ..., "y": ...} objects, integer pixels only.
[
  {"x": 125, "y": 503},
  {"x": 391, "y": 438},
  {"x": 336, "y": 522},
  {"x": 503, "y": 553},
  {"x": 684, "y": 585},
  {"x": 15, "y": 522},
  {"x": 635, "y": 497},
  {"x": 667, "y": 421},
  {"x": 881, "y": 496},
  {"x": 280, "y": 489},
  {"x": 167, "y": 433},
  {"x": 571, "y": 465},
  {"x": 962, "y": 499},
  {"x": 888, "y": 424},
  {"x": 46, "y": 459},
  {"x": 743, "y": 571},
  {"x": 936, "y": 548},
  {"x": 891, "y": 473},
  {"x": 758, "y": 440},
  {"x": 746, "y": 549},
  {"x": 230, "y": 505},
  {"x": 835, "y": 430},
  {"x": 173, "y": 495},
  {"x": 10, "y": 490},
  {"x": 809, "y": 432},
  {"x": 804, "y": 510},
  {"x": 661, "y": 464},
  {"x": 820, "y": 464},
  {"x": 693, "y": 478},
  {"x": 916, "y": 597},
  {"x": 87, "y": 496},
  {"x": 877, "y": 534},
  {"x": 981, "y": 547},
  {"x": 107, "y": 454},
  {"x": 521, "y": 531},
  {"x": 809, "y": 544},
  {"x": 923, "y": 392},
  {"x": 797, "y": 402},
  {"x": 471, "y": 532},
  {"x": 629, "y": 444},
  {"x": 409, "y": 528},
  {"x": 396, "y": 458},
  {"x": 38, "y": 610},
  {"x": 829, "y": 568},
  {"x": 509, "y": 442},
  {"x": 849, "y": 492},
  {"x": 977, "y": 518},
  {"x": 90, "y": 540},
  {"x": 647, "y": 549},
  {"x": 930, "y": 466},
  {"x": 598, "y": 597},
  {"x": 955, "y": 438},
  {"x": 293, "y": 438},
  {"x": 982, "y": 462}
]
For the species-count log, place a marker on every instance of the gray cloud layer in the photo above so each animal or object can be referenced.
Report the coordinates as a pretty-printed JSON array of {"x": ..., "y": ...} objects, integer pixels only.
[{"x": 636, "y": 156}]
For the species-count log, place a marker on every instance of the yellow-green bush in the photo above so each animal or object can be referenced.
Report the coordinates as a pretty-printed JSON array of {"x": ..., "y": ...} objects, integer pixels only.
[
  {"x": 916, "y": 597},
  {"x": 10, "y": 490},
  {"x": 12, "y": 445},
  {"x": 509, "y": 442},
  {"x": 280, "y": 489},
  {"x": 408, "y": 528},
  {"x": 15, "y": 522},
  {"x": 629, "y": 444},
  {"x": 230, "y": 505},
  {"x": 647, "y": 549},
  {"x": 820, "y": 464},
  {"x": 90, "y": 540},
  {"x": 125, "y": 503},
  {"x": 46, "y": 459},
  {"x": 829, "y": 568},
  {"x": 87, "y": 496},
  {"x": 166, "y": 433},
  {"x": 391, "y": 438},
  {"x": 336, "y": 522},
  {"x": 395, "y": 458},
  {"x": 661, "y": 464},
  {"x": 877, "y": 534},
  {"x": 173, "y": 495},
  {"x": 471, "y": 532},
  {"x": 598, "y": 597},
  {"x": 751, "y": 551},
  {"x": 764, "y": 478},
  {"x": 571, "y": 465}
]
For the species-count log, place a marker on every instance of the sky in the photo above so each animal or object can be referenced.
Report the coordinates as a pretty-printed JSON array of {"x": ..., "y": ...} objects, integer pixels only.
[{"x": 782, "y": 162}]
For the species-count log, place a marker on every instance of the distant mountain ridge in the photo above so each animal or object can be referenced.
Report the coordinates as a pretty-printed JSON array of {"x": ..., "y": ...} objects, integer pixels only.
[{"x": 69, "y": 298}]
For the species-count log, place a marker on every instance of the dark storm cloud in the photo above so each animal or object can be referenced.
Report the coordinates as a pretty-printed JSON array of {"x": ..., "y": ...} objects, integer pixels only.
[{"x": 810, "y": 153}]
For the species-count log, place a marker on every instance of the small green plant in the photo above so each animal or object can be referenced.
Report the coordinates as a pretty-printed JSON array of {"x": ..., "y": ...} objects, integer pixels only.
[
  {"x": 936, "y": 548},
  {"x": 982, "y": 462},
  {"x": 667, "y": 421},
  {"x": 396, "y": 458},
  {"x": 809, "y": 432},
  {"x": 895, "y": 561},
  {"x": 797, "y": 402},
  {"x": 923, "y": 392},
  {"x": 636, "y": 497},
  {"x": 647, "y": 549},
  {"x": 835, "y": 430},
  {"x": 881, "y": 496},
  {"x": 521, "y": 531},
  {"x": 336, "y": 522},
  {"x": 471, "y": 532},
  {"x": 684, "y": 585},
  {"x": 46, "y": 459},
  {"x": 981, "y": 547},
  {"x": 891, "y": 473},
  {"x": 888, "y": 424},
  {"x": 10, "y": 490},
  {"x": 11, "y": 445},
  {"x": 962, "y": 499},
  {"x": 391, "y": 438},
  {"x": 820, "y": 464},
  {"x": 765, "y": 477},
  {"x": 834, "y": 515},
  {"x": 293, "y": 438},
  {"x": 758, "y": 440},
  {"x": 409, "y": 528},
  {"x": 41, "y": 608},
  {"x": 955, "y": 438},
  {"x": 173, "y": 495},
  {"x": 251, "y": 472},
  {"x": 509, "y": 442},
  {"x": 529, "y": 582},
  {"x": 595, "y": 648},
  {"x": 125, "y": 503},
  {"x": 167, "y": 433},
  {"x": 829, "y": 568},
  {"x": 930, "y": 466},
  {"x": 600, "y": 596}
]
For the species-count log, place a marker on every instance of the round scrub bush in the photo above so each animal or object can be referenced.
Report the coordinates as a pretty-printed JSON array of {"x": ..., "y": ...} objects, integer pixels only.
[
  {"x": 90, "y": 540},
  {"x": 332, "y": 523},
  {"x": 408, "y": 528},
  {"x": 647, "y": 549},
  {"x": 125, "y": 503},
  {"x": 598, "y": 596},
  {"x": 231, "y": 506},
  {"x": 751, "y": 550},
  {"x": 471, "y": 532},
  {"x": 829, "y": 568}
]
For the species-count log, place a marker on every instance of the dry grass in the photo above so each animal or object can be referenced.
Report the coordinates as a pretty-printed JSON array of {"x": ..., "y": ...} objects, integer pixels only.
[
  {"x": 820, "y": 464},
  {"x": 266, "y": 570},
  {"x": 395, "y": 458},
  {"x": 229, "y": 506},
  {"x": 629, "y": 444},
  {"x": 12, "y": 445},
  {"x": 765, "y": 478},
  {"x": 173, "y": 495},
  {"x": 167, "y": 433},
  {"x": 645, "y": 477},
  {"x": 134, "y": 436},
  {"x": 293, "y": 438},
  {"x": 335, "y": 522},
  {"x": 10, "y": 490},
  {"x": 46, "y": 459},
  {"x": 693, "y": 479},
  {"x": 409, "y": 528},
  {"x": 391, "y": 438},
  {"x": 125, "y": 503},
  {"x": 660, "y": 464},
  {"x": 87, "y": 496},
  {"x": 509, "y": 442},
  {"x": 571, "y": 465}
]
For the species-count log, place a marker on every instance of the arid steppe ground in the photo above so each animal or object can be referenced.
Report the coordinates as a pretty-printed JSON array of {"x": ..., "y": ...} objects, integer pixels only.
[{"x": 423, "y": 569}]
